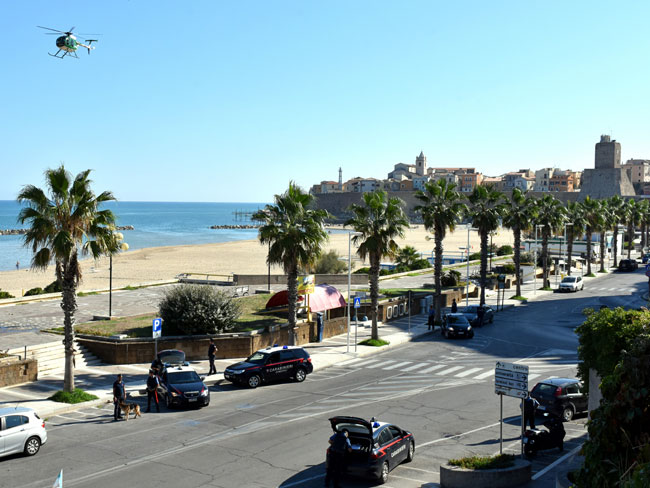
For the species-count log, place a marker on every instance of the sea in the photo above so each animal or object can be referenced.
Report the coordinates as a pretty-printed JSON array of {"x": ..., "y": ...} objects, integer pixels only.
[{"x": 155, "y": 224}]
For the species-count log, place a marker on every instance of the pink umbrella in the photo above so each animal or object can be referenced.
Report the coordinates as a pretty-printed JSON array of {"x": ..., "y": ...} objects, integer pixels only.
[{"x": 325, "y": 297}]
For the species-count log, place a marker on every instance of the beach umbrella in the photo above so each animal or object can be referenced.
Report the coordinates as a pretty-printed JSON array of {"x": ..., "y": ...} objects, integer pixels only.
[{"x": 325, "y": 297}]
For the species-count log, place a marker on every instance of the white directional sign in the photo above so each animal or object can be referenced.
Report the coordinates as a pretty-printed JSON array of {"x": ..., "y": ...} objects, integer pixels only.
[
  {"x": 157, "y": 328},
  {"x": 511, "y": 379}
]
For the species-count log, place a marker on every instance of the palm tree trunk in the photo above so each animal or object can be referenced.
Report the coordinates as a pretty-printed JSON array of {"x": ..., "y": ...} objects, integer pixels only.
[
  {"x": 68, "y": 279},
  {"x": 588, "y": 250},
  {"x": 292, "y": 292},
  {"x": 602, "y": 252},
  {"x": 643, "y": 232},
  {"x": 545, "y": 282},
  {"x": 437, "y": 271},
  {"x": 374, "y": 293},
  {"x": 615, "y": 245},
  {"x": 484, "y": 259},
  {"x": 569, "y": 249},
  {"x": 630, "y": 238},
  {"x": 517, "y": 232}
]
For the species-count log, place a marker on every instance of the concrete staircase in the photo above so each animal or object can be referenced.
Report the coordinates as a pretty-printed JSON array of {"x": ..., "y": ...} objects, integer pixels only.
[{"x": 51, "y": 357}]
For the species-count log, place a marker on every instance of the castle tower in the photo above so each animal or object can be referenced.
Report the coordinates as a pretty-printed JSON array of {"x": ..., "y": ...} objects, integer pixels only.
[
  {"x": 340, "y": 179},
  {"x": 608, "y": 153},
  {"x": 421, "y": 164},
  {"x": 607, "y": 178}
]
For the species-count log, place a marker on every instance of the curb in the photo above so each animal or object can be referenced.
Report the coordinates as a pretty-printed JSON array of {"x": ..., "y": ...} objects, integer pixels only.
[{"x": 456, "y": 477}]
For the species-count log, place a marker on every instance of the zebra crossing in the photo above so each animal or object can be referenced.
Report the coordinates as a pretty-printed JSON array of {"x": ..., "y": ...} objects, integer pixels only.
[{"x": 619, "y": 289}]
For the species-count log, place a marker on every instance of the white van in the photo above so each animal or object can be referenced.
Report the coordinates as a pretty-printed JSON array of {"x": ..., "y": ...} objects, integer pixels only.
[{"x": 21, "y": 430}]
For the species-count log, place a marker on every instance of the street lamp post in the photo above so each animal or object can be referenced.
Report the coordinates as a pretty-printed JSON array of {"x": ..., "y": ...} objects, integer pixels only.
[
  {"x": 535, "y": 261},
  {"x": 566, "y": 245},
  {"x": 123, "y": 246},
  {"x": 350, "y": 234}
]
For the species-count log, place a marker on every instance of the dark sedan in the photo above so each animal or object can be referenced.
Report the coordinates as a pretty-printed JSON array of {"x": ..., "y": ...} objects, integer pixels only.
[
  {"x": 377, "y": 447},
  {"x": 456, "y": 325},
  {"x": 563, "y": 397},
  {"x": 183, "y": 387},
  {"x": 471, "y": 312},
  {"x": 628, "y": 265}
]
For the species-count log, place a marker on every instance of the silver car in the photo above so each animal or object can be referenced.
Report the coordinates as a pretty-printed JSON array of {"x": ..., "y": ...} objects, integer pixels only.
[
  {"x": 572, "y": 283},
  {"x": 21, "y": 430}
]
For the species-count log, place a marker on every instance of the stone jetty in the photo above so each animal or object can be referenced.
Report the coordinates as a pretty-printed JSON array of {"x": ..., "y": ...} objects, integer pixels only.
[
  {"x": 12, "y": 232},
  {"x": 238, "y": 226},
  {"x": 124, "y": 227}
]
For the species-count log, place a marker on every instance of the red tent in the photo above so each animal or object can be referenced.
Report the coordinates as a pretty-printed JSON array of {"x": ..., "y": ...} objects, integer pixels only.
[{"x": 325, "y": 297}]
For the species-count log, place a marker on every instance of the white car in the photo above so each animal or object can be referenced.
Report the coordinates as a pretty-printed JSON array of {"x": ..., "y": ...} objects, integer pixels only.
[
  {"x": 572, "y": 283},
  {"x": 21, "y": 430}
]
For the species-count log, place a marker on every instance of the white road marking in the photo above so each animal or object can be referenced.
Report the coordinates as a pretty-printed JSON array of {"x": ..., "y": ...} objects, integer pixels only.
[
  {"x": 482, "y": 376},
  {"x": 533, "y": 376},
  {"x": 393, "y": 366},
  {"x": 557, "y": 462},
  {"x": 370, "y": 361},
  {"x": 433, "y": 368},
  {"x": 350, "y": 361},
  {"x": 411, "y": 368},
  {"x": 450, "y": 370},
  {"x": 468, "y": 372}
]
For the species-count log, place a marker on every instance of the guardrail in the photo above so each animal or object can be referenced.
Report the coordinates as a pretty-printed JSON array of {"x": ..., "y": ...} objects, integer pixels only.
[{"x": 206, "y": 278}]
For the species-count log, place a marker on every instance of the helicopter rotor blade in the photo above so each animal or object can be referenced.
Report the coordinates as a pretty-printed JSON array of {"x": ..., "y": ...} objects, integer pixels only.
[{"x": 47, "y": 28}]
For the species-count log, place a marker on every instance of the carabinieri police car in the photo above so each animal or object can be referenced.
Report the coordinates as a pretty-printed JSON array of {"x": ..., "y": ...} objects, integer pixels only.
[
  {"x": 271, "y": 364},
  {"x": 377, "y": 447}
]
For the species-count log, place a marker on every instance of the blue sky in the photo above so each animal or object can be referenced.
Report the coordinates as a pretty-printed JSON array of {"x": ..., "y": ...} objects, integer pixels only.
[{"x": 229, "y": 101}]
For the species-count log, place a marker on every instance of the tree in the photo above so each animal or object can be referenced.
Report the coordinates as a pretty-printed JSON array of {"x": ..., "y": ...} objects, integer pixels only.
[
  {"x": 519, "y": 213},
  {"x": 63, "y": 225},
  {"x": 617, "y": 211},
  {"x": 632, "y": 218},
  {"x": 575, "y": 215},
  {"x": 441, "y": 208},
  {"x": 591, "y": 209},
  {"x": 644, "y": 218},
  {"x": 605, "y": 223},
  {"x": 378, "y": 221},
  {"x": 295, "y": 234},
  {"x": 329, "y": 263},
  {"x": 485, "y": 211},
  {"x": 551, "y": 217},
  {"x": 406, "y": 257}
]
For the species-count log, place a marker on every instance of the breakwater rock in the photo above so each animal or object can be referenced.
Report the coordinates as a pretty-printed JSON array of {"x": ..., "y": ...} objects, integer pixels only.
[
  {"x": 124, "y": 227},
  {"x": 239, "y": 226},
  {"x": 12, "y": 232}
]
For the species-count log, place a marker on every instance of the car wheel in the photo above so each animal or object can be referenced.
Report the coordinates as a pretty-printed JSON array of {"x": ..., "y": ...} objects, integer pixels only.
[
  {"x": 254, "y": 381},
  {"x": 32, "y": 446},
  {"x": 383, "y": 477},
  {"x": 492, "y": 319},
  {"x": 411, "y": 452},
  {"x": 471, "y": 334},
  {"x": 567, "y": 413},
  {"x": 528, "y": 451},
  {"x": 300, "y": 375}
]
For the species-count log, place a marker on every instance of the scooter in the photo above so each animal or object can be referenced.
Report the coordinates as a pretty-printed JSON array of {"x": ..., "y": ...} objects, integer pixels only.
[{"x": 540, "y": 440}]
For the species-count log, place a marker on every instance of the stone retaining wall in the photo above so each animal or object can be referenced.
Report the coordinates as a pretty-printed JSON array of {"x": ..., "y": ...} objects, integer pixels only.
[
  {"x": 329, "y": 279},
  {"x": 456, "y": 477},
  {"x": 16, "y": 372}
]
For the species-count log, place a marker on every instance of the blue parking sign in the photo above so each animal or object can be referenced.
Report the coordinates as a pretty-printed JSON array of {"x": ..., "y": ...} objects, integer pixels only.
[
  {"x": 157, "y": 328},
  {"x": 357, "y": 302}
]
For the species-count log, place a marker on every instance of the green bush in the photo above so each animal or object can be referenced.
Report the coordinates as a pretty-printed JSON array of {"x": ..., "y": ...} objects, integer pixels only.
[
  {"x": 364, "y": 270},
  {"x": 451, "y": 278},
  {"x": 330, "y": 263},
  {"x": 6, "y": 294},
  {"x": 484, "y": 462},
  {"x": 505, "y": 249},
  {"x": 77, "y": 396},
  {"x": 34, "y": 291},
  {"x": 526, "y": 258},
  {"x": 374, "y": 342},
  {"x": 475, "y": 256},
  {"x": 195, "y": 309},
  {"x": 508, "y": 268},
  {"x": 53, "y": 287},
  {"x": 420, "y": 264}
]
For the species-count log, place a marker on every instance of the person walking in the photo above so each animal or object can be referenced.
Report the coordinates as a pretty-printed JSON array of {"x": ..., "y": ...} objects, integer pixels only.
[
  {"x": 339, "y": 446},
  {"x": 431, "y": 320},
  {"x": 152, "y": 391},
  {"x": 119, "y": 395},
  {"x": 480, "y": 313},
  {"x": 454, "y": 306},
  {"x": 212, "y": 352},
  {"x": 530, "y": 408}
]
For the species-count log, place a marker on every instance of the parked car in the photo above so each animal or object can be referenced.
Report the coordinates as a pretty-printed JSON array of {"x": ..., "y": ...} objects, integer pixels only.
[
  {"x": 628, "y": 265},
  {"x": 456, "y": 325},
  {"x": 168, "y": 357},
  {"x": 563, "y": 397},
  {"x": 572, "y": 283},
  {"x": 471, "y": 313},
  {"x": 271, "y": 364},
  {"x": 21, "y": 430},
  {"x": 183, "y": 387},
  {"x": 645, "y": 258},
  {"x": 377, "y": 447}
]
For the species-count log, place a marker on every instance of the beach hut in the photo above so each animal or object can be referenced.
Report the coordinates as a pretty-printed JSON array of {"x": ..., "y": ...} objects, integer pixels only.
[{"x": 325, "y": 297}]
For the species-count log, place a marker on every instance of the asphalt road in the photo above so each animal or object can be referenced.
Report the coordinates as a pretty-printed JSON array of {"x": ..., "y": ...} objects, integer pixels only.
[{"x": 440, "y": 389}]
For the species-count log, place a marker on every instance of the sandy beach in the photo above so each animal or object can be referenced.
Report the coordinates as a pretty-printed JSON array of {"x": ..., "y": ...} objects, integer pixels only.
[{"x": 242, "y": 257}]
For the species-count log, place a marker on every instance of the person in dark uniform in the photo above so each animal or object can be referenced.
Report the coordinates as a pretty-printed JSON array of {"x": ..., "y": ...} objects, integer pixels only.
[
  {"x": 339, "y": 445},
  {"x": 152, "y": 391},
  {"x": 530, "y": 407},
  {"x": 431, "y": 320},
  {"x": 480, "y": 313},
  {"x": 119, "y": 395},
  {"x": 212, "y": 352},
  {"x": 454, "y": 306},
  {"x": 157, "y": 365}
]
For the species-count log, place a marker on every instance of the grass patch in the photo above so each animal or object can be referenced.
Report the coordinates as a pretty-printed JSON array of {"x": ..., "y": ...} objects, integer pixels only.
[
  {"x": 546, "y": 288},
  {"x": 484, "y": 462},
  {"x": 590, "y": 275},
  {"x": 374, "y": 342},
  {"x": 602, "y": 271},
  {"x": 87, "y": 293},
  {"x": 518, "y": 297},
  {"x": 77, "y": 396}
]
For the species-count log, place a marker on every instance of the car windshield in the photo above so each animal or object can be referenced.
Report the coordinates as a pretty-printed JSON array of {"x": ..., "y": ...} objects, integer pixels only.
[
  {"x": 457, "y": 320},
  {"x": 183, "y": 377},
  {"x": 470, "y": 309},
  {"x": 544, "y": 389},
  {"x": 257, "y": 358},
  {"x": 569, "y": 279}
]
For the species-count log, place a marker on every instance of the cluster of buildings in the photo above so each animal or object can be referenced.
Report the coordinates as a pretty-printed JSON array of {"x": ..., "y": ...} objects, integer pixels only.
[{"x": 634, "y": 176}]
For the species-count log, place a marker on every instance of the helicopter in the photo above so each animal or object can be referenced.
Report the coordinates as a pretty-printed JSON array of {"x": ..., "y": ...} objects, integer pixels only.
[{"x": 68, "y": 43}]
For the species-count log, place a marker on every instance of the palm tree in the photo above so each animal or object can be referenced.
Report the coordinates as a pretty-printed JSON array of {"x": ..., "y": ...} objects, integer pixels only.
[
  {"x": 441, "y": 208},
  {"x": 575, "y": 215},
  {"x": 406, "y": 257},
  {"x": 378, "y": 221},
  {"x": 606, "y": 218},
  {"x": 485, "y": 211},
  {"x": 632, "y": 218},
  {"x": 295, "y": 235},
  {"x": 551, "y": 217},
  {"x": 64, "y": 224},
  {"x": 616, "y": 206},
  {"x": 644, "y": 217},
  {"x": 520, "y": 211},
  {"x": 592, "y": 215}
]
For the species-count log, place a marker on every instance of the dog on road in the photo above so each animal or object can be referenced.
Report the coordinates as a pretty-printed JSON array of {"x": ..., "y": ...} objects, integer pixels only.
[{"x": 127, "y": 408}]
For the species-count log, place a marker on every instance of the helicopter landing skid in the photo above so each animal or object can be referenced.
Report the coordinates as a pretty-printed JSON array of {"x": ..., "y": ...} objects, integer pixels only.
[{"x": 56, "y": 55}]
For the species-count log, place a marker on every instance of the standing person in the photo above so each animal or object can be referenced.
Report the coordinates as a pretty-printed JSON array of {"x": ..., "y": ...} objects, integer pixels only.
[
  {"x": 454, "y": 306},
  {"x": 17, "y": 264},
  {"x": 152, "y": 391},
  {"x": 119, "y": 395},
  {"x": 431, "y": 320},
  {"x": 530, "y": 408},
  {"x": 339, "y": 445},
  {"x": 212, "y": 352},
  {"x": 480, "y": 313}
]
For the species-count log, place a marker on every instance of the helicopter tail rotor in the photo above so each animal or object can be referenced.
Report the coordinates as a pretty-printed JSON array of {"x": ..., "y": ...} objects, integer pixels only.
[{"x": 90, "y": 46}]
